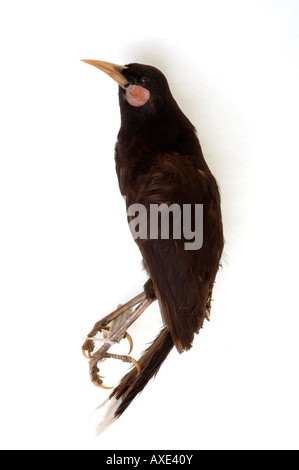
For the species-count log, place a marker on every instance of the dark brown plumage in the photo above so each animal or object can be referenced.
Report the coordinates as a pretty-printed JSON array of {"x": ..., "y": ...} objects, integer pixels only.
[{"x": 159, "y": 160}]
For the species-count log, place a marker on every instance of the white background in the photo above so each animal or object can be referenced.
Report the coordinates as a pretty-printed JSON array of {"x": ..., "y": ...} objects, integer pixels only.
[{"x": 66, "y": 255}]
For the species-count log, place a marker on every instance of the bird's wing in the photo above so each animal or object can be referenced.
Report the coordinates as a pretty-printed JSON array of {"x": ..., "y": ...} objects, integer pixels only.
[
  {"x": 181, "y": 279},
  {"x": 177, "y": 290}
]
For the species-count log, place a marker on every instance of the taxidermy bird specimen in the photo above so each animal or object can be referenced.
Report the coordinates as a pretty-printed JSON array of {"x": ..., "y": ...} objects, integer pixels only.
[{"x": 159, "y": 162}]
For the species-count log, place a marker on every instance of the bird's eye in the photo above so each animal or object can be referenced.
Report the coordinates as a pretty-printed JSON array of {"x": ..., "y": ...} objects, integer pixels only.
[{"x": 144, "y": 80}]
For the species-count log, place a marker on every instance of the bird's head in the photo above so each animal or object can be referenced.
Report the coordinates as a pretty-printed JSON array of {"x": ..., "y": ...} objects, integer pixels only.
[{"x": 143, "y": 89}]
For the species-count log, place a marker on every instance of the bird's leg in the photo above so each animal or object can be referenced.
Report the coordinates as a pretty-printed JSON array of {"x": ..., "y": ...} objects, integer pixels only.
[
  {"x": 110, "y": 323},
  {"x": 119, "y": 333}
]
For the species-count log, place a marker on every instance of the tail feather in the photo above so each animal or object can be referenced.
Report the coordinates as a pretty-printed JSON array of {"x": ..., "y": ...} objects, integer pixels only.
[{"x": 150, "y": 362}]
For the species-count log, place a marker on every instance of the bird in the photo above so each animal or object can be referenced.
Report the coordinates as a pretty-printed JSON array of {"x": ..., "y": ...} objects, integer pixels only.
[{"x": 160, "y": 164}]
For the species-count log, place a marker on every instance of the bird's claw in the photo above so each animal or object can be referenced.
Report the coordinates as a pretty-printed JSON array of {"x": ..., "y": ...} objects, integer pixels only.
[
  {"x": 96, "y": 378},
  {"x": 89, "y": 346},
  {"x": 94, "y": 370},
  {"x": 129, "y": 338}
]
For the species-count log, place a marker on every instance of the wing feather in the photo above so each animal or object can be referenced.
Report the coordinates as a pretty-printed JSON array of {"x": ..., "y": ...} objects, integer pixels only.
[{"x": 182, "y": 279}]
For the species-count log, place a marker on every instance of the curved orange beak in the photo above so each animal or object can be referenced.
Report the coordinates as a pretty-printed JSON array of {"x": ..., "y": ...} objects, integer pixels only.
[{"x": 113, "y": 70}]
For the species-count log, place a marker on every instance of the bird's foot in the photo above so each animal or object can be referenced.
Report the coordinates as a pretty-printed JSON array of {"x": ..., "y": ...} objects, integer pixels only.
[
  {"x": 114, "y": 328},
  {"x": 107, "y": 328},
  {"x": 89, "y": 343},
  {"x": 94, "y": 370},
  {"x": 109, "y": 324}
]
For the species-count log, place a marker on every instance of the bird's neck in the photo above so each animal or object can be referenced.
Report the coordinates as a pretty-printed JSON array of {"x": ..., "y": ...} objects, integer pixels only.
[{"x": 168, "y": 132}]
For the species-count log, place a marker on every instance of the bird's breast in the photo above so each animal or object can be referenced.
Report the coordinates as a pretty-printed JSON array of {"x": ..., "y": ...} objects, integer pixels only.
[{"x": 134, "y": 159}]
